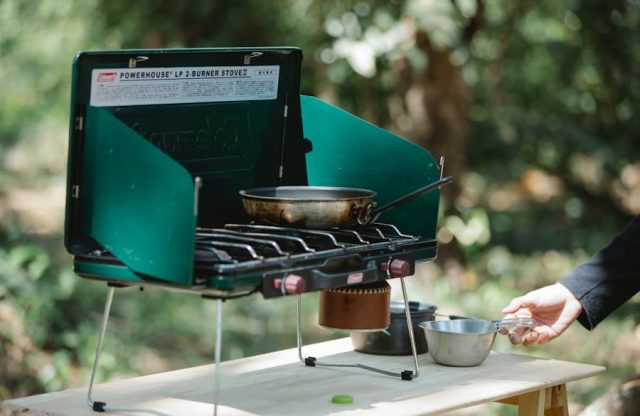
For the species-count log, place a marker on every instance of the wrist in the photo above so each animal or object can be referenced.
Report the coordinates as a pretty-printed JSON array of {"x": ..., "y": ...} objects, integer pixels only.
[{"x": 572, "y": 303}]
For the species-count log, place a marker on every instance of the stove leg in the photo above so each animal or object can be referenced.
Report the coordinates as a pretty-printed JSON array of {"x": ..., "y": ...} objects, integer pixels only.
[
  {"x": 96, "y": 405},
  {"x": 412, "y": 338},
  {"x": 216, "y": 386},
  {"x": 299, "y": 326},
  {"x": 313, "y": 361}
]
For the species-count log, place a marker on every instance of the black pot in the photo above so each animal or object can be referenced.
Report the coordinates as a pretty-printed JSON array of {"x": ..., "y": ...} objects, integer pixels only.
[{"x": 396, "y": 341}]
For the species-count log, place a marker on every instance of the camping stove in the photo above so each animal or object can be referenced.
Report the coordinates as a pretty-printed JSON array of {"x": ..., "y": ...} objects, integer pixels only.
[{"x": 162, "y": 141}]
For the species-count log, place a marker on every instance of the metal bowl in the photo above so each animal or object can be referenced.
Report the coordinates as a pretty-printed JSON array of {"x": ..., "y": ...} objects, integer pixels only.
[{"x": 459, "y": 342}]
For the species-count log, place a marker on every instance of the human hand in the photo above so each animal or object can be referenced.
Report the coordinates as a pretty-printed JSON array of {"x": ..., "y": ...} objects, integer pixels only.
[{"x": 552, "y": 307}]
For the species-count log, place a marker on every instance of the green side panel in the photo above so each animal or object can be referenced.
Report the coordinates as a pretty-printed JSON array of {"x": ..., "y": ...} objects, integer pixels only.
[
  {"x": 235, "y": 283},
  {"x": 139, "y": 203},
  {"x": 117, "y": 272},
  {"x": 105, "y": 271},
  {"x": 351, "y": 152}
]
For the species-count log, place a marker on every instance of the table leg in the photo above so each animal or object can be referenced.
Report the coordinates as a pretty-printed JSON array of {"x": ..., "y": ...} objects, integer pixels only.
[
  {"x": 556, "y": 403},
  {"x": 531, "y": 404},
  {"x": 549, "y": 402}
]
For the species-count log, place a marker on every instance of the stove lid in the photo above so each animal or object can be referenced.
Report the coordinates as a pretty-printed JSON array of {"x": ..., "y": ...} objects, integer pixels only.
[{"x": 230, "y": 117}]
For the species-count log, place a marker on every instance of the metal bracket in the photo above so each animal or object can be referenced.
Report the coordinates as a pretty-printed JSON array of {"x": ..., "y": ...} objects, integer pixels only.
[
  {"x": 284, "y": 133},
  {"x": 79, "y": 123},
  {"x": 249, "y": 57},
  {"x": 133, "y": 62},
  {"x": 314, "y": 362},
  {"x": 197, "y": 185}
]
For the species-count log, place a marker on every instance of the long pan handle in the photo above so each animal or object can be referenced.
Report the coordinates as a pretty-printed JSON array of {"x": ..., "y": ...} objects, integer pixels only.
[{"x": 437, "y": 184}]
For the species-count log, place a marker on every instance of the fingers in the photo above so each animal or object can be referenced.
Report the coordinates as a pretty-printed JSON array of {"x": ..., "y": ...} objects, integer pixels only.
[
  {"x": 532, "y": 300},
  {"x": 526, "y": 336},
  {"x": 553, "y": 307},
  {"x": 544, "y": 337},
  {"x": 517, "y": 334},
  {"x": 530, "y": 338},
  {"x": 515, "y": 339},
  {"x": 513, "y": 306},
  {"x": 522, "y": 302}
]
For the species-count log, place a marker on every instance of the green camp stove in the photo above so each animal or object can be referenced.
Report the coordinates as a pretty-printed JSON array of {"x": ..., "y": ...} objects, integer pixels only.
[{"x": 163, "y": 140}]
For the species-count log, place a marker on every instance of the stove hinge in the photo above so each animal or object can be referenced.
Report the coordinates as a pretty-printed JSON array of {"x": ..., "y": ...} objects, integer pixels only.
[
  {"x": 79, "y": 126},
  {"x": 79, "y": 123},
  {"x": 285, "y": 114}
]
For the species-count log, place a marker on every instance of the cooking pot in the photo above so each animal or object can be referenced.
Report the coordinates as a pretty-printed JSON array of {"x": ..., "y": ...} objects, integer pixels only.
[
  {"x": 395, "y": 339},
  {"x": 321, "y": 207},
  {"x": 465, "y": 342}
]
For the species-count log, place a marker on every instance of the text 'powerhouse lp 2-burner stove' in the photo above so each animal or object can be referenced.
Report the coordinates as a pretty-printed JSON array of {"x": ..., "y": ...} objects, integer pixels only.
[{"x": 161, "y": 143}]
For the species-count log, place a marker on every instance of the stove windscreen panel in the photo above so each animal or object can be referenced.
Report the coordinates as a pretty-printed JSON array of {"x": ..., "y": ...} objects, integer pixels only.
[
  {"x": 351, "y": 152},
  {"x": 138, "y": 203}
]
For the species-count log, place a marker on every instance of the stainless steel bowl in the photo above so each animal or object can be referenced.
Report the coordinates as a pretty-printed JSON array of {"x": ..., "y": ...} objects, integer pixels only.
[{"x": 459, "y": 342}]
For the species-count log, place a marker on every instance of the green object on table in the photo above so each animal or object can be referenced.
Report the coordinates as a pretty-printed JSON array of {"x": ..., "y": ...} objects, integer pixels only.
[{"x": 342, "y": 399}]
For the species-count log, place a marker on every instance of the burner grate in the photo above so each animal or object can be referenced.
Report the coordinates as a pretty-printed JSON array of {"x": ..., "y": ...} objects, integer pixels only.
[{"x": 246, "y": 244}]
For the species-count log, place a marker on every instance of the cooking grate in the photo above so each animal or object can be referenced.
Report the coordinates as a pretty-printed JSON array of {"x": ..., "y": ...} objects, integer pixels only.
[{"x": 258, "y": 243}]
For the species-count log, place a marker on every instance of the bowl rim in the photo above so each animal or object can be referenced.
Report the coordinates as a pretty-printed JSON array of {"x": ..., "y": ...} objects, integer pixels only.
[{"x": 426, "y": 325}]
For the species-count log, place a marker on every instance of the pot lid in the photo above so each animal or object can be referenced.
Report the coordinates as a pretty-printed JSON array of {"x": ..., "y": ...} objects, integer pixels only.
[{"x": 416, "y": 308}]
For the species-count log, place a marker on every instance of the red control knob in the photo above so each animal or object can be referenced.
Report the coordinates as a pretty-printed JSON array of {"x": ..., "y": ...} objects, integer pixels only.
[
  {"x": 399, "y": 268},
  {"x": 293, "y": 284}
]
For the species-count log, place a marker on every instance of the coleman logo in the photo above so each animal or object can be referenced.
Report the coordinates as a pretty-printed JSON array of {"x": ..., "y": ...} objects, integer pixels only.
[
  {"x": 355, "y": 278},
  {"x": 107, "y": 76}
]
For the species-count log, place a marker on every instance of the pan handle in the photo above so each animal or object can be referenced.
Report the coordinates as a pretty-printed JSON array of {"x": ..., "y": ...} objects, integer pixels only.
[{"x": 375, "y": 213}]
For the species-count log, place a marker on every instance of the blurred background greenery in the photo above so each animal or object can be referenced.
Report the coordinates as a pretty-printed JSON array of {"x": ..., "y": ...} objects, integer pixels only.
[{"x": 534, "y": 104}]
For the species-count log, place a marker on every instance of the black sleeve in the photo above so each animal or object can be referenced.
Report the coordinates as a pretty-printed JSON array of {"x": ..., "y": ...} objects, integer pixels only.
[{"x": 609, "y": 278}]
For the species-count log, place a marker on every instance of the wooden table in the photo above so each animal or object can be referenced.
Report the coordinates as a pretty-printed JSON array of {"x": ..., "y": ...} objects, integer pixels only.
[{"x": 278, "y": 384}]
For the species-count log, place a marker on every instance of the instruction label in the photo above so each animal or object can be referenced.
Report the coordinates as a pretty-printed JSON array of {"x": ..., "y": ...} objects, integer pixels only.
[{"x": 175, "y": 85}]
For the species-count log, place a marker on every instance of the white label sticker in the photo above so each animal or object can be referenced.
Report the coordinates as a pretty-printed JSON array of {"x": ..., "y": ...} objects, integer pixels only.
[
  {"x": 354, "y": 278},
  {"x": 175, "y": 85}
]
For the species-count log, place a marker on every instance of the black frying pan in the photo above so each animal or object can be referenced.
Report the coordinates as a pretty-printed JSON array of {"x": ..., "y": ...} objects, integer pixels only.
[{"x": 321, "y": 207}]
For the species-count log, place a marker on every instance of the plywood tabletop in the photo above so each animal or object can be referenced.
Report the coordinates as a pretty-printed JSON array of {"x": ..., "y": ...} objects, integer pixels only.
[{"x": 278, "y": 384}]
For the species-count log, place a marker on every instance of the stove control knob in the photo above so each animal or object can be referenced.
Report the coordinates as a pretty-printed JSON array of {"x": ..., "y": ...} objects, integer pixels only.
[
  {"x": 399, "y": 268},
  {"x": 293, "y": 284}
]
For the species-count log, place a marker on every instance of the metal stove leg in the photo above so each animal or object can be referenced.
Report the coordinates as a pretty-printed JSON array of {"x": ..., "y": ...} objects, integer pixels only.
[
  {"x": 299, "y": 325},
  {"x": 216, "y": 386},
  {"x": 313, "y": 361},
  {"x": 96, "y": 405},
  {"x": 412, "y": 338}
]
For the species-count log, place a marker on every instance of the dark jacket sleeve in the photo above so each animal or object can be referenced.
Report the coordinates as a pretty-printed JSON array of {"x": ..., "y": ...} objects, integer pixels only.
[{"x": 609, "y": 278}]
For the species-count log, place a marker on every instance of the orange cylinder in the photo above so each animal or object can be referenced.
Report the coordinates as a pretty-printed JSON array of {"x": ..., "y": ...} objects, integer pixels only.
[{"x": 360, "y": 307}]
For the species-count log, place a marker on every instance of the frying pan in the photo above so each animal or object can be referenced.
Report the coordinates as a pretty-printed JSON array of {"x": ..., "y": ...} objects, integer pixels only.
[{"x": 321, "y": 206}]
